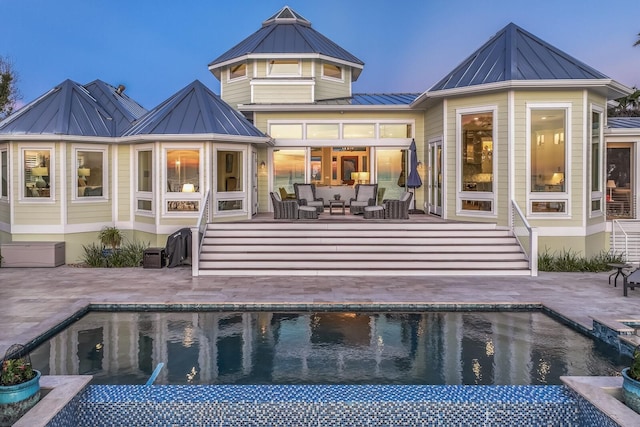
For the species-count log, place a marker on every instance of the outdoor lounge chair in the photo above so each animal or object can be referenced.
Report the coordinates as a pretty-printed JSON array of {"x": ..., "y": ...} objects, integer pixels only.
[
  {"x": 284, "y": 209},
  {"x": 365, "y": 196},
  {"x": 306, "y": 196},
  {"x": 398, "y": 209}
]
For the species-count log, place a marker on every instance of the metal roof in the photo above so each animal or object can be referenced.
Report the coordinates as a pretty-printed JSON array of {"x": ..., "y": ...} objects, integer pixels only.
[
  {"x": 372, "y": 99},
  {"x": 515, "y": 54},
  {"x": 67, "y": 109},
  {"x": 123, "y": 109},
  {"x": 194, "y": 110},
  {"x": 623, "y": 122},
  {"x": 287, "y": 32}
]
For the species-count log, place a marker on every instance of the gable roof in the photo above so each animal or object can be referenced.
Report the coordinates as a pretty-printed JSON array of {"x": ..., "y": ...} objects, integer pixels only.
[
  {"x": 67, "y": 109},
  {"x": 194, "y": 110},
  {"x": 515, "y": 54},
  {"x": 286, "y": 32}
]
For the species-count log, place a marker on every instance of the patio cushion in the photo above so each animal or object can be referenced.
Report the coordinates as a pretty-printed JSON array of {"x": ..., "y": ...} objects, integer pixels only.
[{"x": 304, "y": 192}]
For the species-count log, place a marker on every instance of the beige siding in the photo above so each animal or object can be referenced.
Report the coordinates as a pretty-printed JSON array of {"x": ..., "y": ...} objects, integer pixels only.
[
  {"x": 329, "y": 89},
  {"x": 433, "y": 121},
  {"x": 237, "y": 91},
  {"x": 124, "y": 182},
  {"x": 282, "y": 93},
  {"x": 500, "y": 154}
]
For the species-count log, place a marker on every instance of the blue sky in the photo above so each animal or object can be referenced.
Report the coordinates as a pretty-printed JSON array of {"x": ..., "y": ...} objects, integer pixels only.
[{"x": 156, "y": 47}]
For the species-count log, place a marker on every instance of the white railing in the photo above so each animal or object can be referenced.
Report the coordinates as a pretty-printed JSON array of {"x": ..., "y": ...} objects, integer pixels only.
[
  {"x": 526, "y": 235},
  {"x": 625, "y": 239},
  {"x": 198, "y": 232}
]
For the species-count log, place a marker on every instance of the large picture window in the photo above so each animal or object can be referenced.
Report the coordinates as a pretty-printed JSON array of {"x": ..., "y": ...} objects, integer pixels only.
[
  {"x": 548, "y": 159},
  {"x": 90, "y": 167},
  {"x": 476, "y": 161},
  {"x": 37, "y": 173},
  {"x": 183, "y": 171}
]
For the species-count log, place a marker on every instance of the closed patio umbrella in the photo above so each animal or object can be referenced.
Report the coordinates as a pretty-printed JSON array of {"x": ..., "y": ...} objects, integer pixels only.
[{"x": 414, "y": 181}]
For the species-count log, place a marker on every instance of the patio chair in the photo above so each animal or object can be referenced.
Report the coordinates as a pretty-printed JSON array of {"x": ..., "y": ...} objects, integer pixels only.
[
  {"x": 284, "y": 209},
  {"x": 306, "y": 196},
  {"x": 398, "y": 209},
  {"x": 365, "y": 196}
]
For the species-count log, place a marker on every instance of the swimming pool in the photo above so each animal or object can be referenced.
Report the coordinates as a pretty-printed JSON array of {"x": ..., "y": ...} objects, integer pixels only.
[{"x": 452, "y": 348}]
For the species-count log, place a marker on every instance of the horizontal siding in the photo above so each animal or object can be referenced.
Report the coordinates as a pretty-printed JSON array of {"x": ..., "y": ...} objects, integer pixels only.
[
  {"x": 282, "y": 93},
  {"x": 330, "y": 89},
  {"x": 86, "y": 213},
  {"x": 124, "y": 182},
  {"x": 237, "y": 91}
]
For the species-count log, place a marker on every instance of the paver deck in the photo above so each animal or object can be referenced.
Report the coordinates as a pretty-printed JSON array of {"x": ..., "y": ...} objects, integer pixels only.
[{"x": 35, "y": 300}]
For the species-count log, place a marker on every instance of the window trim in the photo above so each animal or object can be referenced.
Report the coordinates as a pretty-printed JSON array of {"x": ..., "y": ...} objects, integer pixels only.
[
  {"x": 231, "y": 196},
  {"x": 5, "y": 171},
  {"x": 178, "y": 196},
  {"x": 271, "y": 62},
  {"x": 144, "y": 195},
  {"x": 240, "y": 77},
  {"x": 482, "y": 196},
  {"x": 596, "y": 195},
  {"x": 331, "y": 78},
  {"x": 105, "y": 176},
  {"x": 560, "y": 197},
  {"x": 52, "y": 175}
]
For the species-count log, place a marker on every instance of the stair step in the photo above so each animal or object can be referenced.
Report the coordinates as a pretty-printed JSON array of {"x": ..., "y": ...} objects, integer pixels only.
[
  {"x": 287, "y": 240},
  {"x": 255, "y": 233},
  {"x": 356, "y": 257},
  {"x": 315, "y": 248},
  {"x": 360, "y": 265},
  {"x": 363, "y": 273}
]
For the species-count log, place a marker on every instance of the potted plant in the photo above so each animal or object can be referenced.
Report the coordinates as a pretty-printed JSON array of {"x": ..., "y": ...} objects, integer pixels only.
[
  {"x": 110, "y": 237},
  {"x": 631, "y": 382},
  {"x": 19, "y": 385}
]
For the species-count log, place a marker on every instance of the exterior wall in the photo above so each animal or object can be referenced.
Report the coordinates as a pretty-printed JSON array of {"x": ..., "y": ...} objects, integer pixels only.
[
  {"x": 123, "y": 182},
  {"x": 328, "y": 88},
  {"x": 499, "y": 101},
  {"x": 237, "y": 91},
  {"x": 281, "y": 92}
]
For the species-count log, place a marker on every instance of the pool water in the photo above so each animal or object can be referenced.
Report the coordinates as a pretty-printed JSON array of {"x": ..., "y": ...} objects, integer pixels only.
[{"x": 452, "y": 348}]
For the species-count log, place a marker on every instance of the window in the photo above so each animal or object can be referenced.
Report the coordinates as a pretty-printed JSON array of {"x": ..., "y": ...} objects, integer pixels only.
[
  {"x": 548, "y": 159},
  {"x": 288, "y": 168},
  {"x": 401, "y": 130},
  {"x": 37, "y": 171},
  {"x": 4, "y": 175},
  {"x": 322, "y": 131},
  {"x": 596, "y": 161},
  {"x": 286, "y": 131},
  {"x": 332, "y": 71},
  {"x": 476, "y": 161},
  {"x": 284, "y": 67},
  {"x": 548, "y": 154},
  {"x": 90, "y": 166},
  {"x": 183, "y": 171},
  {"x": 237, "y": 71},
  {"x": 144, "y": 184},
  {"x": 359, "y": 130},
  {"x": 391, "y": 172},
  {"x": 230, "y": 171}
]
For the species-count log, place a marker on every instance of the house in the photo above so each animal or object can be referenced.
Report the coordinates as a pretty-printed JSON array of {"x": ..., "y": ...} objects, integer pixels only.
[{"x": 518, "y": 126}]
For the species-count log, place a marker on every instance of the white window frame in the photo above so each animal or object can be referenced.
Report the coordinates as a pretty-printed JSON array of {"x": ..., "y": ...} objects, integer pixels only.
[
  {"x": 177, "y": 196},
  {"x": 561, "y": 197},
  {"x": 4, "y": 171},
  {"x": 52, "y": 175},
  {"x": 144, "y": 195},
  {"x": 242, "y": 77},
  {"x": 481, "y": 196},
  {"x": 222, "y": 196},
  {"x": 596, "y": 195},
  {"x": 74, "y": 182},
  {"x": 271, "y": 74},
  {"x": 335, "y": 79}
]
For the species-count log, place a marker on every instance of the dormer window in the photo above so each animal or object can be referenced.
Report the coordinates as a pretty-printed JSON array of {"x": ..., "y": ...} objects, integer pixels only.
[
  {"x": 284, "y": 67},
  {"x": 237, "y": 71},
  {"x": 332, "y": 71}
]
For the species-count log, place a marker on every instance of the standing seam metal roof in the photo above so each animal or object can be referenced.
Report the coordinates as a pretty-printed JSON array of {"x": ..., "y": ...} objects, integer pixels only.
[
  {"x": 623, "y": 122},
  {"x": 194, "y": 110},
  {"x": 515, "y": 54},
  {"x": 283, "y": 35}
]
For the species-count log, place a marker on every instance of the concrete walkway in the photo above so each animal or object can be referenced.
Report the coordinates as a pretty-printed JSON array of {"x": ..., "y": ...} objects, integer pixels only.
[{"x": 35, "y": 300}]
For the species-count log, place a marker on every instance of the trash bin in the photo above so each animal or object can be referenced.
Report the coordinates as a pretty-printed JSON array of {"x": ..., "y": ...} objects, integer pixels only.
[{"x": 178, "y": 250}]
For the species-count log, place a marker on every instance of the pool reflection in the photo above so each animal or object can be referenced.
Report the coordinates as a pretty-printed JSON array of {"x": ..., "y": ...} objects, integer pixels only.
[{"x": 323, "y": 348}]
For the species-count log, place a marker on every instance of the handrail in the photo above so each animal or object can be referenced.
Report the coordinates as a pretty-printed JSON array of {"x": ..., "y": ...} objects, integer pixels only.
[
  {"x": 197, "y": 233},
  {"x": 626, "y": 232},
  {"x": 531, "y": 250}
]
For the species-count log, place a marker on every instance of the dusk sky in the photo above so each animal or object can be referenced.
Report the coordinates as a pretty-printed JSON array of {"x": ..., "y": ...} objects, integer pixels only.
[{"x": 156, "y": 47}]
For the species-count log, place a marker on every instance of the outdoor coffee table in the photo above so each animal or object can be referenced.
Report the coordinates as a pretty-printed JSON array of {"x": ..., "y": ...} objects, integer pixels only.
[
  {"x": 336, "y": 203},
  {"x": 619, "y": 272}
]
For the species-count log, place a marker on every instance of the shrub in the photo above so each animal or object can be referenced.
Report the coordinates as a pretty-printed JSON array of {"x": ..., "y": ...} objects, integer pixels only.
[
  {"x": 128, "y": 255},
  {"x": 569, "y": 261}
]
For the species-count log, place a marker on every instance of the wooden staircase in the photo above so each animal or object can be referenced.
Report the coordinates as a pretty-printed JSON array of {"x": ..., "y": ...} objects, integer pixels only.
[{"x": 359, "y": 248}]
